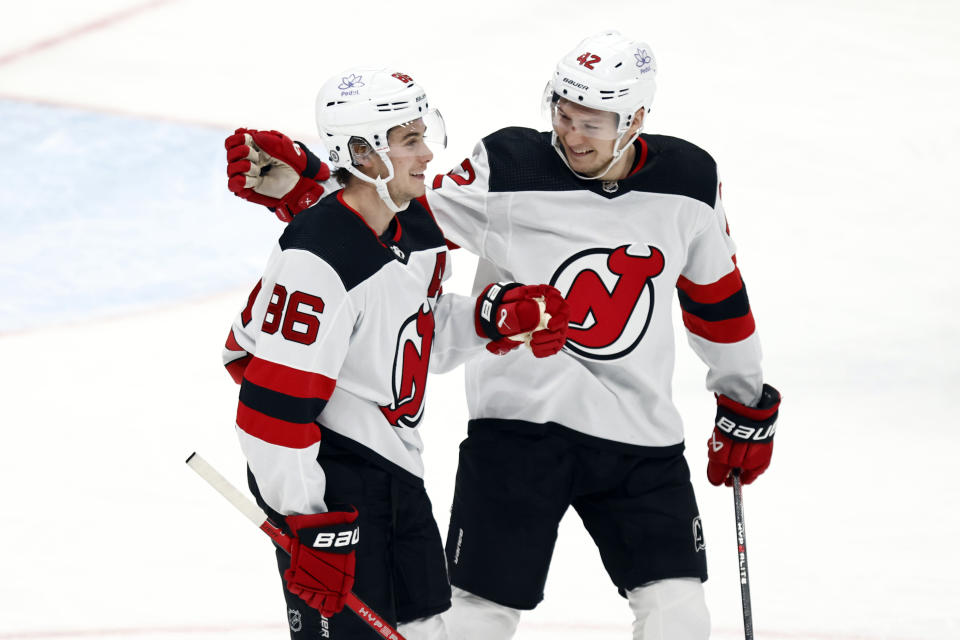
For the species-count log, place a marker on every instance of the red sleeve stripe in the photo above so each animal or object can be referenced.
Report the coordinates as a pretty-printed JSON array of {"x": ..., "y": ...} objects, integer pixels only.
[
  {"x": 278, "y": 432},
  {"x": 232, "y": 343},
  {"x": 713, "y": 292},
  {"x": 289, "y": 381},
  {"x": 237, "y": 367},
  {"x": 720, "y": 331}
]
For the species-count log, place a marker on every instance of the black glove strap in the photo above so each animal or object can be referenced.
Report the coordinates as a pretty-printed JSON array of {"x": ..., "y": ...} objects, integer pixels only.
[
  {"x": 313, "y": 162},
  {"x": 487, "y": 306}
]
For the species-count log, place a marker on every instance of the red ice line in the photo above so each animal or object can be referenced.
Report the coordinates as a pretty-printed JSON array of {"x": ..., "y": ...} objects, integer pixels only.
[{"x": 102, "y": 23}]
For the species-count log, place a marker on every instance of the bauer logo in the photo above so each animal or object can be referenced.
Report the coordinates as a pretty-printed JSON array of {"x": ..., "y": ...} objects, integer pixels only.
[
  {"x": 643, "y": 60},
  {"x": 762, "y": 432},
  {"x": 576, "y": 84},
  {"x": 337, "y": 540}
]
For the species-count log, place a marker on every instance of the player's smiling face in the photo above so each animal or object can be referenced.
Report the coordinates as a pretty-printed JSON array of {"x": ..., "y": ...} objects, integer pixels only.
[
  {"x": 409, "y": 155},
  {"x": 587, "y": 136}
]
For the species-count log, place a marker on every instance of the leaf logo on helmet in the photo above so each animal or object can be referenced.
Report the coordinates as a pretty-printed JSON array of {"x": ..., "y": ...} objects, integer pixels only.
[
  {"x": 350, "y": 82},
  {"x": 643, "y": 59}
]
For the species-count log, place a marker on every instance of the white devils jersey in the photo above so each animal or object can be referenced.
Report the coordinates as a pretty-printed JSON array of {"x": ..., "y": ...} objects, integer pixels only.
[
  {"x": 616, "y": 251},
  {"x": 343, "y": 325}
]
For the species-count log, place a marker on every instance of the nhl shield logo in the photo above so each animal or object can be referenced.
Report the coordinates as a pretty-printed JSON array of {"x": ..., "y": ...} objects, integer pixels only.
[
  {"x": 296, "y": 620},
  {"x": 611, "y": 298},
  {"x": 698, "y": 543}
]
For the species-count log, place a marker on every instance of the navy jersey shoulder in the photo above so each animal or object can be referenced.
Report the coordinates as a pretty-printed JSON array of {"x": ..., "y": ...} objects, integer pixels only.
[
  {"x": 340, "y": 237},
  {"x": 523, "y": 159},
  {"x": 675, "y": 166}
]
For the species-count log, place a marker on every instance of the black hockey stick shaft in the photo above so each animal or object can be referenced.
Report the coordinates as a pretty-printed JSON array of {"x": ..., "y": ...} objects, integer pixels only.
[
  {"x": 253, "y": 512},
  {"x": 742, "y": 555}
]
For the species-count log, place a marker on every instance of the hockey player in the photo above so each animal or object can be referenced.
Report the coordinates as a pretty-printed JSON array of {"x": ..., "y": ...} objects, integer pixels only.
[
  {"x": 332, "y": 352},
  {"x": 616, "y": 220}
]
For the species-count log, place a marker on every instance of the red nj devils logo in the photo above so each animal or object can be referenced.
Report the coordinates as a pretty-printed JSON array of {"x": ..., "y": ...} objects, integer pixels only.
[
  {"x": 410, "y": 365},
  {"x": 611, "y": 296}
]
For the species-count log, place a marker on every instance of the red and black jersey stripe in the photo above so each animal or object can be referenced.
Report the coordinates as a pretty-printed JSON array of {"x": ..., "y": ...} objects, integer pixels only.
[
  {"x": 719, "y": 311},
  {"x": 279, "y": 404},
  {"x": 237, "y": 366}
]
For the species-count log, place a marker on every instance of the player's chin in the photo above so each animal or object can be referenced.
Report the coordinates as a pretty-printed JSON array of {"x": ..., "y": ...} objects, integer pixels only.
[{"x": 417, "y": 185}]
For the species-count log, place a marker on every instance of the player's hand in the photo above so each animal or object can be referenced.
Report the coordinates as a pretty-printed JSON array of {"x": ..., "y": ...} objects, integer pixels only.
[
  {"x": 323, "y": 558},
  {"x": 511, "y": 314},
  {"x": 742, "y": 438},
  {"x": 268, "y": 168}
]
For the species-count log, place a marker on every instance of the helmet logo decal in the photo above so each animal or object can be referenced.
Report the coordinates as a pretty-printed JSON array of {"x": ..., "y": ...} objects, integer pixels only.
[
  {"x": 643, "y": 60},
  {"x": 350, "y": 82},
  {"x": 588, "y": 60}
]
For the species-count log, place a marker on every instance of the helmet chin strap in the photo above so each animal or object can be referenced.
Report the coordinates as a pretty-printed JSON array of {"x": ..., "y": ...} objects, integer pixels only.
[
  {"x": 380, "y": 183},
  {"x": 616, "y": 154}
]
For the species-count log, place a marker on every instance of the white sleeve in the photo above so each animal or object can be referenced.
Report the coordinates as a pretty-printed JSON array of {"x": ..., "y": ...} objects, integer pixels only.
[
  {"x": 455, "y": 339},
  {"x": 716, "y": 311},
  {"x": 300, "y": 323},
  {"x": 459, "y": 201}
]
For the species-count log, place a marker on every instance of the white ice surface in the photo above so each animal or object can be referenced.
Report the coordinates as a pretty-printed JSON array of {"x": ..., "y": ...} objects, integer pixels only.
[{"x": 123, "y": 259}]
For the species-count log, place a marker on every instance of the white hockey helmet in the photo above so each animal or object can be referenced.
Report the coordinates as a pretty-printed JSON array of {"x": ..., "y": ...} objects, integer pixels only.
[
  {"x": 365, "y": 103},
  {"x": 608, "y": 72}
]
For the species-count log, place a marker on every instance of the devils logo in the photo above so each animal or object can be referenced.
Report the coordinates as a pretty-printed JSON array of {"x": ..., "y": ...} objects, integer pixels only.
[
  {"x": 410, "y": 364},
  {"x": 611, "y": 296}
]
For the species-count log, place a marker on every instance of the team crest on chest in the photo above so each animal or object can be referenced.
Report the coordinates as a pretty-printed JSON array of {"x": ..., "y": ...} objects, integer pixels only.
[
  {"x": 411, "y": 362},
  {"x": 611, "y": 298}
]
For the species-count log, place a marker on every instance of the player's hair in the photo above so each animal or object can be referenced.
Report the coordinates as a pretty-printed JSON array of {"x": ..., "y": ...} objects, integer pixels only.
[{"x": 342, "y": 175}]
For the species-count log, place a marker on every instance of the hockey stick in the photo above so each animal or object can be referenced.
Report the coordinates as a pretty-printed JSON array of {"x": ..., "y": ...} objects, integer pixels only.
[
  {"x": 256, "y": 515},
  {"x": 742, "y": 553}
]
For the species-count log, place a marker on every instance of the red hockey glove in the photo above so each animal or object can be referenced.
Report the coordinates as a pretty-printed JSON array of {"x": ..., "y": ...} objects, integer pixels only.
[
  {"x": 268, "y": 168},
  {"x": 742, "y": 438},
  {"x": 323, "y": 558},
  {"x": 511, "y": 314}
]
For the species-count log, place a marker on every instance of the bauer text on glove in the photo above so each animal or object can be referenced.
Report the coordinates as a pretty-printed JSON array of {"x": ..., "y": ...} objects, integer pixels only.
[{"x": 742, "y": 438}]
